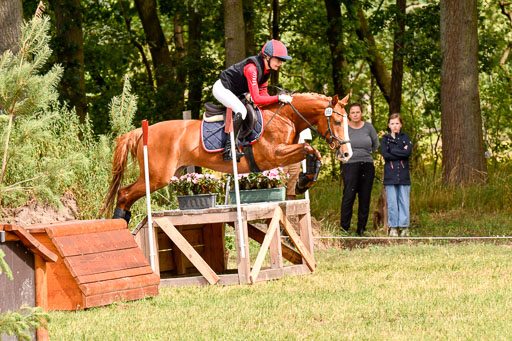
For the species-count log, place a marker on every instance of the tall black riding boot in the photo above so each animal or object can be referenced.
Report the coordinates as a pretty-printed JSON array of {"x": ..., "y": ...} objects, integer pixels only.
[{"x": 226, "y": 153}]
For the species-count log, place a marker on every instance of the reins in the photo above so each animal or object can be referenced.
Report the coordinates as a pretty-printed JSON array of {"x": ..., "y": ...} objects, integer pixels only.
[{"x": 328, "y": 114}]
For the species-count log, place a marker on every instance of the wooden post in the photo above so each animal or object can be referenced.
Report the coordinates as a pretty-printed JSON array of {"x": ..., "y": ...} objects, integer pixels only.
[
  {"x": 41, "y": 292},
  {"x": 294, "y": 237},
  {"x": 306, "y": 234}
]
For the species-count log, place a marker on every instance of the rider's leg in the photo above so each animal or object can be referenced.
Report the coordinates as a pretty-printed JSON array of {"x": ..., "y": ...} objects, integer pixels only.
[{"x": 228, "y": 99}]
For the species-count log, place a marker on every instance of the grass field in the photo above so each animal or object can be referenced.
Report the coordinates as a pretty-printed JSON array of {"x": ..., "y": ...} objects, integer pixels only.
[{"x": 399, "y": 292}]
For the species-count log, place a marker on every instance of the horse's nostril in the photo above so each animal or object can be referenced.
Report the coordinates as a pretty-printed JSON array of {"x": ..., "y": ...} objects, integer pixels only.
[{"x": 346, "y": 154}]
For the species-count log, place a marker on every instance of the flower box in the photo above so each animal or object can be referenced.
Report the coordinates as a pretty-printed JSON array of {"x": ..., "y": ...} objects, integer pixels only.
[
  {"x": 197, "y": 201},
  {"x": 259, "y": 195}
]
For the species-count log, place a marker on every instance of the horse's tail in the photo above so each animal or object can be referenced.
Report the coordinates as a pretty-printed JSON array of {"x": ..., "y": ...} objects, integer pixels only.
[{"x": 126, "y": 143}]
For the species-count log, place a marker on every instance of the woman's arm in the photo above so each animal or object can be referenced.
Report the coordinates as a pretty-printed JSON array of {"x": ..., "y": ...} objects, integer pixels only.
[
  {"x": 385, "y": 150},
  {"x": 375, "y": 138},
  {"x": 405, "y": 151},
  {"x": 259, "y": 98}
]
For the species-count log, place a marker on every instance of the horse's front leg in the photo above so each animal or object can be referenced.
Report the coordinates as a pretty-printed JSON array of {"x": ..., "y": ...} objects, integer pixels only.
[{"x": 287, "y": 154}]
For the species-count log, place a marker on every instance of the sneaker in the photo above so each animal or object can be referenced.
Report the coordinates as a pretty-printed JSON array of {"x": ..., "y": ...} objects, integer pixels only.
[
  {"x": 404, "y": 232},
  {"x": 393, "y": 232}
]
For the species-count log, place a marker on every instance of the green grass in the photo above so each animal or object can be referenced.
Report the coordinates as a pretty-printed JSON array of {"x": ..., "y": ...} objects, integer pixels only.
[{"x": 401, "y": 292}]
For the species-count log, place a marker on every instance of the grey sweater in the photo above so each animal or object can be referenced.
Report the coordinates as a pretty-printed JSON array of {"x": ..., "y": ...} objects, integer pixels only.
[{"x": 364, "y": 143}]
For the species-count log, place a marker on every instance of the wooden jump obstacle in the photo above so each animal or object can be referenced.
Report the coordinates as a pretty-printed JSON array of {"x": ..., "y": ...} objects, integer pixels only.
[
  {"x": 191, "y": 241},
  {"x": 83, "y": 264}
]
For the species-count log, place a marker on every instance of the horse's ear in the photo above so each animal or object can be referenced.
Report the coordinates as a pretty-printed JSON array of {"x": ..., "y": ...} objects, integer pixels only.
[
  {"x": 334, "y": 100},
  {"x": 344, "y": 101}
]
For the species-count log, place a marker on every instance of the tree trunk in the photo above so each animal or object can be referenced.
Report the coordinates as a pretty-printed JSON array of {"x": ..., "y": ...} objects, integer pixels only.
[
  {"x": 335, "y": 37},
  {"x": 168, "y": 95},
  {"x": 70, "y": 53},
  {"x": 397, "y": 72},
  {"x": 234, "y": 31},
  {"x": 377, "y": 66},
  {"x": 195, "y": 74},
  {"x": 11, "y": 19},
  {"x": 463, "y": 147},
  {"x": 276, "y": 13},
  {"x": 250, "y": 46},
  {"x": 179, "y": 59}
]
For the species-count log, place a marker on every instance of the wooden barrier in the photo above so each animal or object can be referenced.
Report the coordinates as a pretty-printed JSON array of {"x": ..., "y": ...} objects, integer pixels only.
[
  {"x": 191, "y": 248},
  {"x": 83, "y": 264}
]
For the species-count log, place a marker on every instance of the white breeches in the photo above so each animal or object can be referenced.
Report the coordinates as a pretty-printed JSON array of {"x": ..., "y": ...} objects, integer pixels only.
[{"x": 228, "y": 99}]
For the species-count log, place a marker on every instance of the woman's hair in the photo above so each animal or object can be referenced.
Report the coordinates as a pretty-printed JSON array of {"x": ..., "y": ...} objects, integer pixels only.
[
  {"x": 393, "y": 116},
  {"x": 357, "y": 104}
]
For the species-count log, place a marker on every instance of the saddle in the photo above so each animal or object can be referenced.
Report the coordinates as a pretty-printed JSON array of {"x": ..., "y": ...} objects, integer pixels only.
[{"x": 217, "y": 113}]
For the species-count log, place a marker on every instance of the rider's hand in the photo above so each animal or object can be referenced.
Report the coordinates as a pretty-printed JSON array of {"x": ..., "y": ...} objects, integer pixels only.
[{"x": 285, "y": 98}]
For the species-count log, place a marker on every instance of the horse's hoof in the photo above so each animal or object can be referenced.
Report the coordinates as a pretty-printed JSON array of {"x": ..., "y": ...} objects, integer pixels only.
[{"x": 122, "y": 214}]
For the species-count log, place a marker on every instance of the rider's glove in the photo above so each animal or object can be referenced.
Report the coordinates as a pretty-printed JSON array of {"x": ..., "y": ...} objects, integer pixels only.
[{"x": 285, "y": 98}]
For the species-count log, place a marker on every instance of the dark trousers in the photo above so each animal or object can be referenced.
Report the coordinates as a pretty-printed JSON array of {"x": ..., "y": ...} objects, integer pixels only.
[{"x": 357, "y": 179}]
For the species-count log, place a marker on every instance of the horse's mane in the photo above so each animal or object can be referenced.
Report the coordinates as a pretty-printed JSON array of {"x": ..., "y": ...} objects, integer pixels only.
[{"x": 312, "y": 94}]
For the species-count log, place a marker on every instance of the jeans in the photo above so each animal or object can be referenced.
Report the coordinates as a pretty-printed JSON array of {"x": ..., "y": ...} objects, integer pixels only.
[
  {"x": 398, "y": 205},
  {"x": 357, "y": 179}
]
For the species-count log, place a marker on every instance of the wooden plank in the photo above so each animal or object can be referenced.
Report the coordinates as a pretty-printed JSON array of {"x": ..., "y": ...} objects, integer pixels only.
[
  {"x": 306, "y": 234},
  {"x": 94, "y": 242},
  {"x": 126, "y": 295},
  {"x": 32, "y": 243},
  {"x": 298, "y": 242},
  {"x": 188, "y": 250},
  {"x": 143, "y": 270},
  {"x": 269, "y": 274},
  {"x": 79, "y": 227},
  {"x": 201, "y": 218},
  {"x": 41, "y": 292},
  {"x": 276, "y": 258},
  {"x": 119, "y": 284},
  {"x": 244, "y": 264},
  {"x": 229, "y": 279},
  {"x": 274, "y": 225},
  {"x": 63, "y": 292},
  {"x": 287, "y": 252},
  {"x": 105, "y": 262},
  {"x": 296, "y": 207},
  {"x": 295, "y": 270}
]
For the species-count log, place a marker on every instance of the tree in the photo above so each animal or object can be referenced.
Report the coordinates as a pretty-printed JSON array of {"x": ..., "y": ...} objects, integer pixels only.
[
  {"x": 461, "y": 120},
  {"x": 195, "y": 74},
  {"x": 375, "y": 60},
  {"x": 234, "y": 31},
  {"x": 70, "y": 53},
  {"x": 275, "y": 34},
  {"x": 249, "y": 16},
  {"x": 397, "y": 71},
  {"x": 170, "y": 95},
  {"x": 11, "y": 19},
  {"x": 335, "y": 37}
]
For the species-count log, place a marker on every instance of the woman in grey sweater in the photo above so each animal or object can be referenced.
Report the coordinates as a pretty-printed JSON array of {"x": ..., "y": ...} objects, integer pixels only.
[{"x": 358, "y": 173}]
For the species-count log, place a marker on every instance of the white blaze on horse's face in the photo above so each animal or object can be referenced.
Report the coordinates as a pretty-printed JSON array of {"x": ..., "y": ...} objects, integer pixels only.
[{"x": 340, "y": 129}]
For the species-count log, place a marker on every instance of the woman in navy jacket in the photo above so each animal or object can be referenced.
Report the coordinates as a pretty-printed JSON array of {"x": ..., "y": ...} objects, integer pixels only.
[{"x": 396, "y": 148}]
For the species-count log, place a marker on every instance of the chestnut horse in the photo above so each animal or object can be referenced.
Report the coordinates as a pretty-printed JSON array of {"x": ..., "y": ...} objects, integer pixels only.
[{"x": 174, "y": 145}]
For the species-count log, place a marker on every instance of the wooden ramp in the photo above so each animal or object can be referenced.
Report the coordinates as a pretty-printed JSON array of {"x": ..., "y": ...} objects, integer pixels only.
[{"x": 98, "y": 263}]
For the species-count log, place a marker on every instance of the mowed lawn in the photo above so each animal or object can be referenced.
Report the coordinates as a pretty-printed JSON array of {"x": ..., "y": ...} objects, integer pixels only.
[{"x": 401, "y": 292}]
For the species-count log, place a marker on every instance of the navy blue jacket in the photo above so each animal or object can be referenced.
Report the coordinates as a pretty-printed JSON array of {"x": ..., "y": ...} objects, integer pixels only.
[{"x": 396, "y": 168}]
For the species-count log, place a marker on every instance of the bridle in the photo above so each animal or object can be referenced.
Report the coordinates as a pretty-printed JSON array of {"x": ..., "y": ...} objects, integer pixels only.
[{"x": 327, "y": 113}]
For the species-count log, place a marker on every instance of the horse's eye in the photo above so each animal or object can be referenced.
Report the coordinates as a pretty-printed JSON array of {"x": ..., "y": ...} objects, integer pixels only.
[{"x": 337, "y": 123}]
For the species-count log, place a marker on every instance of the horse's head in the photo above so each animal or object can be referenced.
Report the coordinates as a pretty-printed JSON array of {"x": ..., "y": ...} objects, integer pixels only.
[{"x": 335, "y": 127}]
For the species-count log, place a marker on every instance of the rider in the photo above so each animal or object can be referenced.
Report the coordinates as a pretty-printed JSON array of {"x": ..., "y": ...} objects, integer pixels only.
[{"x": 250, "y": 75}]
